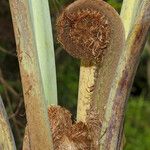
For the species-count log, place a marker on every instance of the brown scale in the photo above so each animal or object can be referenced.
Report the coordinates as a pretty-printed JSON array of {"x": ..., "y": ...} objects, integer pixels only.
[
  {"x": 66, "y": 134},
  {"x": 84, "y": 34}
]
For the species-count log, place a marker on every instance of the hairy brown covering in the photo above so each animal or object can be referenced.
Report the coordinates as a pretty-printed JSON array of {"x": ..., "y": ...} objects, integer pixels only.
[
  {"x": 68, "y": 136},
  {"x": 60, "y": 121},
  {"x": 77, "y": 138},
  {"x": 94, "y": 125},
  {"x": 85, "y": 29}
]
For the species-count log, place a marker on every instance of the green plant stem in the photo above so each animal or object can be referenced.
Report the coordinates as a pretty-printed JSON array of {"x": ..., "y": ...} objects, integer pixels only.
[
  {"x": 45, "y": 48},
  {"x": 28, "y": 45}
]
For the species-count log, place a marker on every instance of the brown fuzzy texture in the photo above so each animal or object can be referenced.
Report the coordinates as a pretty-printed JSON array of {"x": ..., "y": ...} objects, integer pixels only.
[
  {"x": 80, "y": 136},
  {"x": 60, "y": 121},
  {"x": 77, "y": 138},
  {"x": 94, "y": 125},
  {"x": 85, "y": 29},
  {"x": 68, "y": 136}
]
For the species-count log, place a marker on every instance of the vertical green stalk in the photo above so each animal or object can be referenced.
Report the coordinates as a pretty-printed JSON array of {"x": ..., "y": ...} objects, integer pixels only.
[
  {"x": 34, "y": 67},
  {"x": 6, "y": 137},
  {"x": 45, "y": 48}
]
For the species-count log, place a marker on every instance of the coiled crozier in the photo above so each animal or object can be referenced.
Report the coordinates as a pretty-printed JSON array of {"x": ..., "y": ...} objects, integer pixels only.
[{"x": 87, "y": 29}]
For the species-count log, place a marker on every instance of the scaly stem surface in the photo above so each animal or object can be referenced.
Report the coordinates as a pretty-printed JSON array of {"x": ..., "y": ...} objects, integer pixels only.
[{"x": 29, "y": 48}]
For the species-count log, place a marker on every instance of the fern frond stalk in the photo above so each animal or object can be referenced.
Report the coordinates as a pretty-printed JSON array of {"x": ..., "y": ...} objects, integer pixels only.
[
  {"x": 29, "y": 48},
  {"x": 122, "y": 83}
]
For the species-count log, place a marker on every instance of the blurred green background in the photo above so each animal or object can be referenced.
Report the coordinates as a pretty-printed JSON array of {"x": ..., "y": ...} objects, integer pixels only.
[{"x": 137, "y": 121}]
